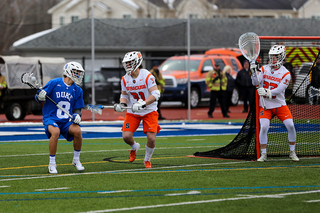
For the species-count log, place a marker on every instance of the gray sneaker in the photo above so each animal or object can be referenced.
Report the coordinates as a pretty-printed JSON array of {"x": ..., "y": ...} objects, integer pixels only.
[
  {"x": 293, "y": 156},
  {"x": 262, "y": 158}
]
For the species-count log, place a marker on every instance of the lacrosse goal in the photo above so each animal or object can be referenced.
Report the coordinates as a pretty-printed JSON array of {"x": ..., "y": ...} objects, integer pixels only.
[{"x": 302, "y": 100}]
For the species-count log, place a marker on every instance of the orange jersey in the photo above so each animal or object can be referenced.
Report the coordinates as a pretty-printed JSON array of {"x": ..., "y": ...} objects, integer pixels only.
[{"x": 138, "y": 88}]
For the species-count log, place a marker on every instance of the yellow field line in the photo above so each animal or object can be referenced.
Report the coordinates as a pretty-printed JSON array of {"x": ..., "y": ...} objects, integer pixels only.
[{"x": 38, "y": 166}]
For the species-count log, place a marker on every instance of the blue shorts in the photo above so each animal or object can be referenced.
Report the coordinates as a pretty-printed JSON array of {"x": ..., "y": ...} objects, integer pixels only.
[{"x": 63, "y": 126}]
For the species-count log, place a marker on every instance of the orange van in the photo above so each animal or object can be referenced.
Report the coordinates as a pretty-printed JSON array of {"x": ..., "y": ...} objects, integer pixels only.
[{"x": 175, "y": 73}]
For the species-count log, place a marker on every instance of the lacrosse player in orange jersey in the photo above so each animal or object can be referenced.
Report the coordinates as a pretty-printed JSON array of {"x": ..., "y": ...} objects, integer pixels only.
[
  {"x": 275, "y": 79},
  {"x": 139, "y": 91}
]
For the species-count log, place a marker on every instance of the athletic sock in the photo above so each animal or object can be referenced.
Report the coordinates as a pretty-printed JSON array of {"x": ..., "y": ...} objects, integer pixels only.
[
  {"x": 134, "y": 146},
  {"x": 52, "y": 159},
  {"x": 149, "y": 152},
  {"x": 264, "y": 151},
  {"x": 76, "y": 155},
  {"x": 292, "y": 147}
]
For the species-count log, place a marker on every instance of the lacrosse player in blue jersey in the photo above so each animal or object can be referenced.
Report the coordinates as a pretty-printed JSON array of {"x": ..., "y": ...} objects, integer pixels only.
[{"x": 69, "y": 96}]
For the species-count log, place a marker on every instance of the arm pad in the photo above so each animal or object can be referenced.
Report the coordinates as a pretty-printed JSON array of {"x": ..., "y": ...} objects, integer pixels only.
[
  {"x": 156, "y": 94},
  {"x": 124, "y": 96}
]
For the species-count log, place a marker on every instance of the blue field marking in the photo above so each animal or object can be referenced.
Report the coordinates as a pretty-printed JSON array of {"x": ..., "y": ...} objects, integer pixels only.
[
  {"x": 159, "y": 190},
  {"x": 35, "y": 132}
]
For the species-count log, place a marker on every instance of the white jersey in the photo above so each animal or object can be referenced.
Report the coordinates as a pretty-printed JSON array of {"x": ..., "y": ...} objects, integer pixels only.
[
  {"x": 277, "y": 82},
  {"x": 138, "y": 88}
]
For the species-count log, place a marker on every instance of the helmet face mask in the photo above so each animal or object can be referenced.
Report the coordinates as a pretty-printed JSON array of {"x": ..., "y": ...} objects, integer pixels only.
[
  {"x": 74, "y": 71},
  {"x": 277, "y": 54},
  {"x": 132, "y": 61}
]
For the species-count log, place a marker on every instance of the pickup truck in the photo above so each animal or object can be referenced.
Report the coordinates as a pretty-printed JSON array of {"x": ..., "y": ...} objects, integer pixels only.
[
  {"x": 175, "y": 72},
  {"x": 17, "y": 100}
]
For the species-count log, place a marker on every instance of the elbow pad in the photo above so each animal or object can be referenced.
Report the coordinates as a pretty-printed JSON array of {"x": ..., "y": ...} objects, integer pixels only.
[{"x": 156, "y": 94}]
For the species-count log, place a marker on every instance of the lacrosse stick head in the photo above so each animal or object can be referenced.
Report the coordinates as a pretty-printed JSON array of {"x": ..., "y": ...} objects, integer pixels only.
[
  {"x": 249, "y": 45},
  {"x": 30, "y": 79},
  {"x": 94, "y": 109}
]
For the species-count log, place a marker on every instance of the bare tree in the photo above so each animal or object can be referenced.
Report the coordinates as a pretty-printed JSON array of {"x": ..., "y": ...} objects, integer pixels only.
[{"x": 20, "y": 18}]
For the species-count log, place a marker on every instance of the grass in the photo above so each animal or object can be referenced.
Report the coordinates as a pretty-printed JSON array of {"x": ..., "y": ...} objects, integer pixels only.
[{"x": 176, "y": 183}]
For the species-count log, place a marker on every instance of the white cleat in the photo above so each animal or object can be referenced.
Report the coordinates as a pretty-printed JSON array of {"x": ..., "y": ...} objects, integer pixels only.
[
  {"x": 293, "y": 156},
  {"x": 262, "y": 158},
  {"x": 52, "y": 168},
  {"x": 78, "y": 165}
]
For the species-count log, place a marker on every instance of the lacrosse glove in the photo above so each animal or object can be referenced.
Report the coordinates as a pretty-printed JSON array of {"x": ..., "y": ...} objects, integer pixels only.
[
  {"x": 41, "y": 95},
  {"x": 138, "y": 106},
  {"x": 264, "y": 92},
  {"x": 119, "y": 107},
  {"x": 76, "y": 118}
]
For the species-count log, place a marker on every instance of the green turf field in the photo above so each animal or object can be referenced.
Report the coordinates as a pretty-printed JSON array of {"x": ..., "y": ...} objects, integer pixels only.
[{"x": 176, "y": 183}]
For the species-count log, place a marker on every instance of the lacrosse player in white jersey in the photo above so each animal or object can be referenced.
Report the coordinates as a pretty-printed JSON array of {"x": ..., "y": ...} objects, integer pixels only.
[
  {"x": 68, "y": 95},
  {"x": 140, "y": 92},
  {"x": 274, "y": 79}
]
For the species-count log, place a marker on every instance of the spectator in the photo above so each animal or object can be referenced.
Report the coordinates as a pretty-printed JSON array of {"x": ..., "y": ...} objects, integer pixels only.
[
  {"x": 314, "y": 78},
  {"x": 216, "y": 81},
  {"x": 230, "y": 86},
  {"x": 244, "y": 84},
  {"x": 3, "y": 83},
  {"x": 160, "y": 84},
  {"x": 139, "y": 91},
  {"x": 65, "y": 92}
]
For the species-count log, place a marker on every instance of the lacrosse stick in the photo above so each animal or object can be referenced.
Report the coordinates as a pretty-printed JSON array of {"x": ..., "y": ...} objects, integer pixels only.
[
  {"x": 98, "y": 108},
  {"x": 249, "y": 45},
  {"x": 29, "y": 79}
]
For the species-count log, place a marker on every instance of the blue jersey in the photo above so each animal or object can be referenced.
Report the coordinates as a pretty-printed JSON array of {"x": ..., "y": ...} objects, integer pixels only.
[{"x": 68, "y": 97}]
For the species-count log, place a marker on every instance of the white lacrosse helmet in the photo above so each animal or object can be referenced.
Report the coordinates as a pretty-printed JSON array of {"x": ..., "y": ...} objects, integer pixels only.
[
  {"x": 74, "y": 71},
  {"x": 277, "y": 54},
  {"x": 131, "y": 61}
]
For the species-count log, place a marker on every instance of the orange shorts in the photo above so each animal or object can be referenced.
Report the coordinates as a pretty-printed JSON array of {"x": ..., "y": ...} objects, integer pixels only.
[
  {"x": 282, "y": 113},
  {"x": 149, "y": 122}
]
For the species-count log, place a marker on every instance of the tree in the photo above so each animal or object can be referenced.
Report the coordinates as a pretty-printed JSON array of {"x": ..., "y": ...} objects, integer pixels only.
[{"x": 20, "y": 18}]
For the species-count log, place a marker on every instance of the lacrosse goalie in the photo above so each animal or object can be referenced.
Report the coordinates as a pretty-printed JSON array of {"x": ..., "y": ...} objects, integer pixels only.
[
  {"x": 275, "y": 79},
  {"x": 66, "y": 93},
  {"x": 139, "y": 91}
]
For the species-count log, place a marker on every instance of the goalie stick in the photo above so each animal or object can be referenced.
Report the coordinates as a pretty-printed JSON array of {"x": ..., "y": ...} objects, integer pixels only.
[
  {"x": 30, "y": 80},
  {"x": 249, "y": 45},
  {"x": 98, "y": 108}
]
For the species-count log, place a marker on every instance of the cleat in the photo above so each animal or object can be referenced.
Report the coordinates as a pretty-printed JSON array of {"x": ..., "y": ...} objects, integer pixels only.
[
  {"x": 293, "y": 156},
  {"x": 133, "y": 153},
  {"x": 147, "y": 164},
  {"x": 78, "y": 165},
  {"x": 52, "y": 168},
  {"x": 262, "y": 158}
]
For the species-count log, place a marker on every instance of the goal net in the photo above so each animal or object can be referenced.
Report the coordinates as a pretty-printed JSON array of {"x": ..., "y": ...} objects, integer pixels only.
[{"x": 302, "y": 99}]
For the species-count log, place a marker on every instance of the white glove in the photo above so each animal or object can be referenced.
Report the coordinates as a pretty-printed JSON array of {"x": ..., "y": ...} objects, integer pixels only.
[
  {"x": 76, "y": 118},
  {"x": 139, "y": 105},
  {"x": 264, "y": 92},
  {"x": 119, "y": 107},
  {"x": 254, "y": 67},
  {"x": 42, "y": 95}
]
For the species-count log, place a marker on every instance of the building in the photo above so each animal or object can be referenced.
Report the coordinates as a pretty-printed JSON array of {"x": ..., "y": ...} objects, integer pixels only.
[{"x": 68, "y": 11}]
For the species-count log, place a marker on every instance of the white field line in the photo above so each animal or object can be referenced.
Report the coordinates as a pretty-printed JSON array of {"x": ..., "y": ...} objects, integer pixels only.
[
  {"x": 115, "y": 150},
  {"x": 188, "y": 193},
  {"x": 4, "y": 186},
  {"x": 312, "y": 201},
  {"x": 206, "y": 201},
  {"x": 117, "y": 191},
  {"x": 124, "y": 171},
  {"x": 52, "y": 189}
]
